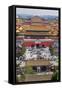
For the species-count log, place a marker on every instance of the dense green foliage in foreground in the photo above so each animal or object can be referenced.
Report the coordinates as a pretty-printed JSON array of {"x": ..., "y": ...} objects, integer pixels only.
[{"x": 55, "y": 76}]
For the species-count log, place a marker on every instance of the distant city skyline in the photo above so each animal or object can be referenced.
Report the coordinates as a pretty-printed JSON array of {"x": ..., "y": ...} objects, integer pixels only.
[{"x": 36, "y": 12}]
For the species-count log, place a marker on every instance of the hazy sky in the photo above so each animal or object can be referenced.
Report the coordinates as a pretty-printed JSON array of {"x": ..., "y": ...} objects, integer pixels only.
[{"x": 39, "y": 12}]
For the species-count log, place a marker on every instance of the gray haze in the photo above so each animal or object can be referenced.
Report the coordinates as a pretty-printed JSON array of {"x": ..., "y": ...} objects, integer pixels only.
[{"x": 36, "y": 12}]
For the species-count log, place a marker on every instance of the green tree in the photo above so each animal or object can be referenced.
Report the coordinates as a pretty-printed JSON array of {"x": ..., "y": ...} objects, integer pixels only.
[
  {"x": 21, "y": 52},
  {"x": 29, "y": 70},
  {"x": 51, "y": 50},
  {"x": 55, "y": 76}
]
